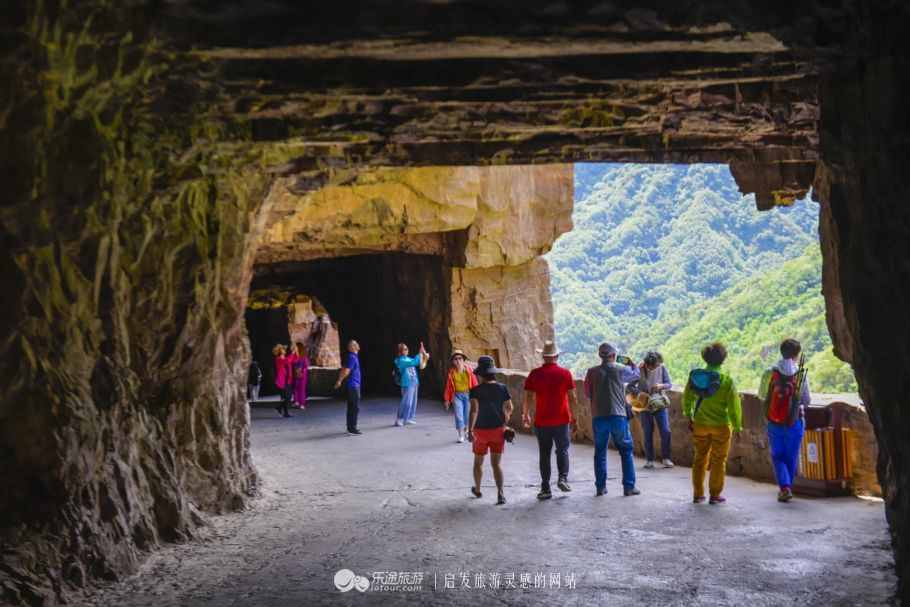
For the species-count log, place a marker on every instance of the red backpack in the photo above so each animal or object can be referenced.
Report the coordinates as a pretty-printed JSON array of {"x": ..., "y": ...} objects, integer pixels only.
[{"x": 783, "y": 401}]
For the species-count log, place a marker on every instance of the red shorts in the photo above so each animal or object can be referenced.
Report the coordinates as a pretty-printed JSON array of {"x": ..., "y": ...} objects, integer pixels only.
[{"x": 489, "y": 438}]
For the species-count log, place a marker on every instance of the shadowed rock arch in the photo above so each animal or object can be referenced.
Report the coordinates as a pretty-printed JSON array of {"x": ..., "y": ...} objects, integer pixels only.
[{"x": 140, "y": 143}]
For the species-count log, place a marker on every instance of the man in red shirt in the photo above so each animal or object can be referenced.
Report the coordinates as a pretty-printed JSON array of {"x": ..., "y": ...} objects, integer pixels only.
[{"x": 551, "y": 388}]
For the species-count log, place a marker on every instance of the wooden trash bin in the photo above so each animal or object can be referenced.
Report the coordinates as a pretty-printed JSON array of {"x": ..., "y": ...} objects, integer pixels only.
[{"x": 825, "y": 456}]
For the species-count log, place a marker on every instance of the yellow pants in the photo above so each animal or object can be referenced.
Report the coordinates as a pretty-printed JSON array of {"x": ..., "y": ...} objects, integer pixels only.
[{"x": 712, "y": 445}]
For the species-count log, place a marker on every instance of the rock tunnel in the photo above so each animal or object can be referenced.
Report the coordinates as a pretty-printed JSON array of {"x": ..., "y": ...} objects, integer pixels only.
[
  {"x": 162, "y": 157},
  {"x": 379, "y": 300}
]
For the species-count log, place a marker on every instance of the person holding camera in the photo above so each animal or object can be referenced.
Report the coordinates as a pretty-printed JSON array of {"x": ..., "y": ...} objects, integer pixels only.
[
  {"x": 491, "y": 407},
  {"x": 655, "y": 404},
  {"x": 549, "y": 389},
  {"x": 605, "y": 388}
]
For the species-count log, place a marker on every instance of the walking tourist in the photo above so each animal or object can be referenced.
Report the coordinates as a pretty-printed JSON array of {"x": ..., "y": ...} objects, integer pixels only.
[
  {"x": 655, "y": 405},
  {"x": 300, "y": 366},
  {"x": 711, "y": 403},
  {"x": 784, "y": 389},
  {"x": 283, "y": 379},
  {"x": 405, "y": 373},
  {"x": 550, "y": 389},
  {"x": 491, "y": 406},
  {"x": 350, "y": 376},
  {"x": 605, "y": 388},
  {"x": 459, "y": 382},
  {"x": 253, "y": 381}
]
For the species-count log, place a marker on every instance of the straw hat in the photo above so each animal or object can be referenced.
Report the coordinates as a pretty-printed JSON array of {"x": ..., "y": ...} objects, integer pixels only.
[
  {"x": 458, "y": 352},
  {"x": 549, "y": 349}
]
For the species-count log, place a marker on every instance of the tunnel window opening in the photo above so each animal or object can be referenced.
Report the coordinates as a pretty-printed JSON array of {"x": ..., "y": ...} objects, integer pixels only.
[
  {"x": 378, "y": 300},
  {"x": 670, "y": 257}
]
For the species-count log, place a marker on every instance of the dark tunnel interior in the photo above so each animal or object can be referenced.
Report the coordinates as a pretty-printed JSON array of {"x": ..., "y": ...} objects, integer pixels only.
[{"x": 378, "y": 300}]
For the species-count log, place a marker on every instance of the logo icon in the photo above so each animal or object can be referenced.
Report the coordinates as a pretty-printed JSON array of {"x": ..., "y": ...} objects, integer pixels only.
[{"x": 346, "y": 580}]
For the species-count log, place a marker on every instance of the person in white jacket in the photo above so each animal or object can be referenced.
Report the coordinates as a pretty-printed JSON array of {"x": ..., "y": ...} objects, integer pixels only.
[{"x": 784, "y": 389}]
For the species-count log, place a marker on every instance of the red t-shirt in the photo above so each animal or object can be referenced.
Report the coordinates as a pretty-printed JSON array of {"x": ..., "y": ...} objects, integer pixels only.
[{"x": 551, "y": 383}]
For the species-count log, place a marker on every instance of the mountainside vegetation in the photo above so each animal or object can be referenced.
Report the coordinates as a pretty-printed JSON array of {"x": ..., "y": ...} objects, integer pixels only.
[{"x": 670, "y": 257}]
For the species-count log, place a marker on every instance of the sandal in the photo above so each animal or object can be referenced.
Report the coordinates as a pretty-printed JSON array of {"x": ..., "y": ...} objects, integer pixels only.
[{"x": 476, "y": 492}]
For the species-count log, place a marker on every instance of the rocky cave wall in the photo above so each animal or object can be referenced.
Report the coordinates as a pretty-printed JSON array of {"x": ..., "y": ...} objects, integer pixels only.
[
  {"x": 144, "y": 145},
  {"x": 486, "y": 226}
]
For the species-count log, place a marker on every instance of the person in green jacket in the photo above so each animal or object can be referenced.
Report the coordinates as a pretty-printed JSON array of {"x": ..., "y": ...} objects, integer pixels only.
[{"x": 711, "y": 403}]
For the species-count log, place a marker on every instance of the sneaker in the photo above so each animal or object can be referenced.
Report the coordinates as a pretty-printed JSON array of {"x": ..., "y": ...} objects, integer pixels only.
[
  {"x": 649, "y": 464},
  {"x": 699, "y": 499},
  {"x": 460, "y": 438},
  {"x": 717, "y": 499},
  {"x": 631, "y": 491},
  {"x": 500, "y": 499},
  {"x": 600, "y": 492},
  {"x": 563, "y": 485},
  {"x": 544, "y": 494},
  {"x": 355, "y": 432},
  {"x": 398, "y": 422},
  {"x": 411, "y": 422},
  {"x": 668, "y": 463},
  {"x": 785, "y": 495}
]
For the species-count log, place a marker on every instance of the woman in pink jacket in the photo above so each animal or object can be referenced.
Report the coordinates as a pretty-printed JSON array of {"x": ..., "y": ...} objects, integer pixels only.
[
  {"x": 300, "y": 366},
  {"x": 283, "y": 379}
]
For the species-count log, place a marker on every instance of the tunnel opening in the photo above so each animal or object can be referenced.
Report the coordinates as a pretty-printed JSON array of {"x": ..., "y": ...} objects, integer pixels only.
[{"x": 378, "y": 300}]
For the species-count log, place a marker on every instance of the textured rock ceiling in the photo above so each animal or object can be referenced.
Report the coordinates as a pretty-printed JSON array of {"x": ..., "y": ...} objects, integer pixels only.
[{"x": 536, "y": 82}]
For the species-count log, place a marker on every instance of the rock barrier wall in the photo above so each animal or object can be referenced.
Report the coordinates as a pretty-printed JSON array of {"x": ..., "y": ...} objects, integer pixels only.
[{"x": 749, "y": 453}]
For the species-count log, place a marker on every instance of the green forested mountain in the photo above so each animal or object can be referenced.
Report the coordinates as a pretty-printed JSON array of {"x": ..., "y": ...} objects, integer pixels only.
[{"x": 672, "y": 256}]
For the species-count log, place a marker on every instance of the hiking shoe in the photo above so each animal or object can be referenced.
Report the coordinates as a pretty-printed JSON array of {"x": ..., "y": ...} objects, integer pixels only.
[
  {"x": 649, "y": 464},
  {"x": 698, "y": 499},
  {"x": 631, "y": 491},
  {"x": 563, "y": 485},
  {"x": 355, "y": 432},
  {"x": 544, "y": 494},
  {"x": 476, "y": 492},
  {"x": 398, "y": 422},
  {"x": 668, "y": 463},
  {"x": 600, "y": 492},
  {"x": 500, "y": 499},
  {"x": 785, "y": 495},
  {"x": 717, "y": 499}
]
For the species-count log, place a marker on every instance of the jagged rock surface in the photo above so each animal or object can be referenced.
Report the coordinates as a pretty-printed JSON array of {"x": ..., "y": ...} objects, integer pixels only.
[{"x": 137, "y": 179}]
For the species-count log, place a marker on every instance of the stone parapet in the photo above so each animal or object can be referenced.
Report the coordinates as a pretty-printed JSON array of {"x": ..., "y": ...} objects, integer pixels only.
[{"x": 749, "y": 453}]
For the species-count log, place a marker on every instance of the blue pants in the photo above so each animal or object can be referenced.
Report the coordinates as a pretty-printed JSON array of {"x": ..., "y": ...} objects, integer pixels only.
[
  {"x": 662, "y": 419},
  {"x": 462, "y": 405},
  {"x": 407, "y": 410},
  {"x": 785, "y": 442},
  {"x": 617, "y": 427}
]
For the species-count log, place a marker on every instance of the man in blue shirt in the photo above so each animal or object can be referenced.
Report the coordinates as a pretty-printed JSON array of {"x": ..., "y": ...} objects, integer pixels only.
[
  {"x": 406, "y": 377},
  {"x": 350, "y": 371}
]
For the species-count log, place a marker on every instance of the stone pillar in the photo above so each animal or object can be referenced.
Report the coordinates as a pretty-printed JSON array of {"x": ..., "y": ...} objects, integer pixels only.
[{"x": 863, "y": 185}]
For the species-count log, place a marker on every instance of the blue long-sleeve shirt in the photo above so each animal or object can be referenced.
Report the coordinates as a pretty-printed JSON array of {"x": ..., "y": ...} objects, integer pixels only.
[{"x": 407, "y": 367}]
